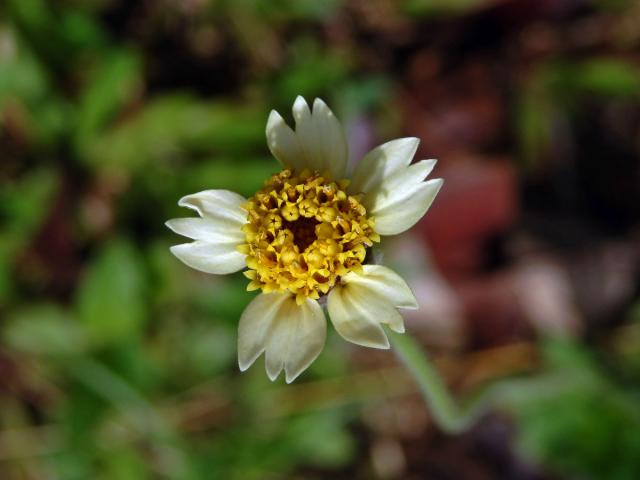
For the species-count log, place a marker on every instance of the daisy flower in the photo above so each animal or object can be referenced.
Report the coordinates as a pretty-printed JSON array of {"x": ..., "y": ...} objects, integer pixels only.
[{"x": 304, "y": 239}]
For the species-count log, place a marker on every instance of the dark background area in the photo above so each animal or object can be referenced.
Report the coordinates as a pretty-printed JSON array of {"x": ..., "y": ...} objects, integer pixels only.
[{"x": 118, "y": 362}]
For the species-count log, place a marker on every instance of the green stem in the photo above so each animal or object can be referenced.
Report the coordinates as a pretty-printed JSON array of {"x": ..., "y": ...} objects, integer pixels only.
[
  {"x": 508, "y": 393},
  {"x": 445, "y": 412}
]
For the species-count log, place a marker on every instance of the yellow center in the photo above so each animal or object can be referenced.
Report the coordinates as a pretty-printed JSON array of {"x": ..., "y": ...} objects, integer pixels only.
[{"x": 303, "y": 232}]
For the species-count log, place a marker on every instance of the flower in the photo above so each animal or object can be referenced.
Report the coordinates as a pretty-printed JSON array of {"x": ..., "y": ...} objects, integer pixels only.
[{"x": 305, "y": 239}]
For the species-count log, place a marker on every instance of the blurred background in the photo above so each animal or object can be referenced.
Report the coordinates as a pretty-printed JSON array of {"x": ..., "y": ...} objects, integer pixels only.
[{"x": 119, "y": 362}]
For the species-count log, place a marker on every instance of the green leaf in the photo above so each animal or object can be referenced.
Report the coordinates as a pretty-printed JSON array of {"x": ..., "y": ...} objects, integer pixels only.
[
  {"x": 534, "y": 122},
  {"x": 111, "y": 300},
  {"x": 171, "y": 125},
  {"x": 611, "y": 77},
  {"x": 44, "y": 330},
  {"x": 23, "y": 207},
  {"x": 124, "y": 464},
  {"x": 111, "y": 84},
  {"x": 587, "y": 431},
  {"x": 440, "y": 8},
  {"x": 310, "y": 73}
]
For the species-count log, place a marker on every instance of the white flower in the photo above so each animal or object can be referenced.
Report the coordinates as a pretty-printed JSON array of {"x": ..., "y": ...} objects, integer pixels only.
[{"x": 305, "y": 236}]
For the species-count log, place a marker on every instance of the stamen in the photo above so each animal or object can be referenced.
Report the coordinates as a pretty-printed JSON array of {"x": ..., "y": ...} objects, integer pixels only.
[{"x": 304, "y": 232}]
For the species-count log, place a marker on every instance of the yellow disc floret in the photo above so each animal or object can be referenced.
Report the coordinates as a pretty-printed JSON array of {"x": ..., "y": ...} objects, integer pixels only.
[{"x": 303, "y": 232}]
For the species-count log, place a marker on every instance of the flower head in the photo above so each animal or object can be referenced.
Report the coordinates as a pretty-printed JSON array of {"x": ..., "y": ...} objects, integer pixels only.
[{"x": 305, "y": 238}]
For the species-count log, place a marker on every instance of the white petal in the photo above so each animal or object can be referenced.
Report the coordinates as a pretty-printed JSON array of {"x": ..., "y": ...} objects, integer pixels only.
[
  {"x": 357, "y": 312},
  {"x": 254, "y": 325},
  {"x": 291, "y": 335},
  {"x": 219, "y": 258},
  {"x": 222, "y": 205},
  {"x": 206, "y": 229},
  {"x": 295, "y": 338},
  {"x": 217, "y": 233},
  {"x": 385, "y": 283},
  {"x": 320, "y": 137},
  {"x": 395, "y": 193},
  {"x": 283, "y": 142},
  {"x": 405, "y": 208},
  {"x": 333, "y": 144},
  {"x": 307, "y": 340},
  {"x": 382, "y": 162},
  {"x": 306, "y": 134}
]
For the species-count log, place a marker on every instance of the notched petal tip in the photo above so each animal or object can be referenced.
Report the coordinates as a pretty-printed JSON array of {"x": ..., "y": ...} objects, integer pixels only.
[
  {"x": 185, "y": 202},
  {"x": 435, "y": 184},
  {"x": 380, "y": 346},
  {"x": 320, "y": 105},
  {"x": 290, "y": 378},
  {"x": 410, "y": 143},
  {"x": 244, "y": 366},
  {"x": 300, "y": 108},
  {"x": 437, "y": 181},
  {"x": 273, "y": 375},
  {"x": 274, "y": 120},
  {"x": 170, "y": 224},
  {"x": 398, "y": 328}
]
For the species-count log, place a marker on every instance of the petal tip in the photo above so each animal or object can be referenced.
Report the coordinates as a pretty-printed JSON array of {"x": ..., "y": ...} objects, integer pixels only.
[
  {"x": 318, "y": 103},
  {"x": 274, "y": 117},
  {"x": 273, "y": 376},
  {"x": 300, "y": 108},
  {"x": 244, "y": 364},
  {"x": 437, "y": 183}
]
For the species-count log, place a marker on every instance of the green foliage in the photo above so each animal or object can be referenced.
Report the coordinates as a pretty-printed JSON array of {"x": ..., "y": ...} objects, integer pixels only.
[
  {"x": 23, "y": 206},
  {"x": 310, "y": 71},
  {"x": 45, "y": 330},
  {"x": 111, "y": 302},
  {"x": 172, "y": 126},
  {"x": 588, "y": 425},
  {"x": 293, "y": 9},
  {"x": 109, "y": 87},
  {"x": 439, "y": 8},
  {"x": 315, "y": 440},
  {"x": 559, "y": 90}
]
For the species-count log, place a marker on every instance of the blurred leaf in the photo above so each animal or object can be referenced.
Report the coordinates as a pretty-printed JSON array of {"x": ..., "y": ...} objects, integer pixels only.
[
  {"x": 110, "y": 86},
  {"x": 310, "y": 72},
  {"x": 169, "y": 126},
  {"x": 212, "y": 351},
  {"x": 34, "y": 15},
  {"x": 294, "y": 9},
  {"x": 363, "y": 94},
  {"x": 23, "y": 206},
  {"x": 569, "y": 81},
  {"x": 437, "y": 8},
  {"x": 591, "y": 429},
  {"x": 170, "y": 280},
  {"x": 244, "y": 178},
  {"x": 321, "y": 440},
  {"x": 111, "y": 300},
  {"x": 230, "y": 299},
  {"x": 21, "y": 75},
  {"x": 608, "y": 77},
  {"x": 44, "y": 330},
  {"x": 26, "y": 92},
  {"x": 124, "y": 464},
  {"x": 534, "y": 123},
  {"x": 81, "y": 30}
]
